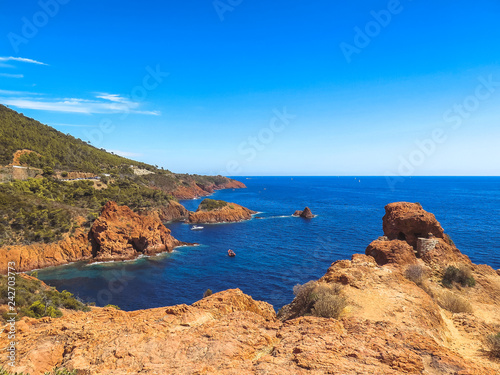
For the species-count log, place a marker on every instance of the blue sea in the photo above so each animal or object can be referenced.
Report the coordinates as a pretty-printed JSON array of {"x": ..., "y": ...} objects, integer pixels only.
[{"x": 278, "y": 251}]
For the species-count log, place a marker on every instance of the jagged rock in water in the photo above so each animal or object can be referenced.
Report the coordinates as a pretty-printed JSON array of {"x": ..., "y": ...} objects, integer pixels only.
[{"x": 306, "y": 213}]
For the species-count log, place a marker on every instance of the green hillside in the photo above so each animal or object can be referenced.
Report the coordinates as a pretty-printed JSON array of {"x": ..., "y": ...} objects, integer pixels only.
[
  {"x": 58, "y": 150},
  {"x": 45, "y": 209}
]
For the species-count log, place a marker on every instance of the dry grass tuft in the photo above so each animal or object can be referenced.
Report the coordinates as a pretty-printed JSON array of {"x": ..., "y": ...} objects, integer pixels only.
[
  {"x": 329, "y": 306},
  {"x": 415, "y": 273},
  {"x": 461, "y": 274},
  {"x": 319, "y": 299},
  {"x": 453, "y": 303},
  {"x": 494, "y": 344}
]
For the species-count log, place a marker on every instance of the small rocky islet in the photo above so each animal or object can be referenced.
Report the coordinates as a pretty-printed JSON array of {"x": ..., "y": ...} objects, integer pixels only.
[
  {"x": 217, "y": 211},
  {"x": 305, "y": 213}
]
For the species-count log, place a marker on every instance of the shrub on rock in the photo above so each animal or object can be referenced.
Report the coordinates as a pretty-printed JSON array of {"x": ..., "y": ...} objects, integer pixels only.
[{"x": 461, "y": 275}]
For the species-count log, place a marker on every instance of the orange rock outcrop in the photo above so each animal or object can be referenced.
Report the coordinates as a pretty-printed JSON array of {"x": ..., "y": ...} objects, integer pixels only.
[
  {"x": 122, "y": 234},
  {"x": 195, "y": 190},
  {"x": 305, "y": 213},
  {"x": 395, "y": 251},
  {"x": 41, "y": 255},
  {"x": 17, "y": 156},
  {"x": 390, "y": 326},
  {"x": 408, "y": 221},
  {"x": 173, "y": 211},
  {"x": 231, "y": 213},
  {"x": 118, "y": 234}
]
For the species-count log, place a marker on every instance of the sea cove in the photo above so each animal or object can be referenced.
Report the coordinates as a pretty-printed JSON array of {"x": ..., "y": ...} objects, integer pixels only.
[{"x": 277, "y": 251}]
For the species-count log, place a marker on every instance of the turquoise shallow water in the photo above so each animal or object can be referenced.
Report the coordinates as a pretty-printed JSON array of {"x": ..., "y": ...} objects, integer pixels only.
[{"x": 278, "y": 251}]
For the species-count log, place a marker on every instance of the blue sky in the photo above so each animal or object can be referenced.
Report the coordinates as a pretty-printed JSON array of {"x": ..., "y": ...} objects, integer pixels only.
[{"x": 264, "y": 88}]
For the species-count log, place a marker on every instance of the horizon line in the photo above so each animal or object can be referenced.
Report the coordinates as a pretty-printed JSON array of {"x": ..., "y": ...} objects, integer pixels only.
[{"x": 355, "y": 176}]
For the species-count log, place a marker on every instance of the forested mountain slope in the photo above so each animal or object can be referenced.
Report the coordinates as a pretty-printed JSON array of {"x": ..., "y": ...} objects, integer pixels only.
[{"x": 45, "y": 208}]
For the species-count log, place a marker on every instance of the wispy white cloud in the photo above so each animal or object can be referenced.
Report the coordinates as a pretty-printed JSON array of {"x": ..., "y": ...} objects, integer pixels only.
[
  {"x": 112, "y": 97},
  {"x": 56, "y": 106},
  {"x": 125, "y": 154},
  {"x": 17, "y": 59},
  {"x": 21, "y": 59},
  {"x": 104, "y": 103},
  {"x": 17, "y": 93},
  {"x": 115, "y": 98},
  {"x": 8, "y": 75}
]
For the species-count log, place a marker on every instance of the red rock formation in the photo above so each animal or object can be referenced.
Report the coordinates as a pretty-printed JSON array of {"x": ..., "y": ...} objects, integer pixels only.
[
  {"x": 217, "y": 335},
  {"x": 306, "y": 213},
  {"x": 122, "y": 234},
  {"x": 409, "y": 221},
  {"x": 398, "y": 252},
  {"x": 229, "y": 301},
  {"x": 71, "y": 249},
  {"x": 392, "y": 328},
  {"x": 419, "y": 229},
  {"x": 119, "y": 234},
  {"x": 174, "y": 211},
  {"x": 189, "y": 192},
  {"x": 231, "y": 213},
  {"x": 231, "y": 184},
  {"x": 195, "y": 190}
]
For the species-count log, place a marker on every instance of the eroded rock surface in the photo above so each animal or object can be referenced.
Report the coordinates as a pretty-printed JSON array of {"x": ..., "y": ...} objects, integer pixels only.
[
  {"x": 409, "y": 221},
  {"x": 230, "y": 213},
  {"x": 395, "y": 251},
  {"x": 118, "y": 234},
  {"x": 173, "y": 211},
  {"x": 122, "y": 234},
  {"x": 29, "y": 257},
  {"x": 195, "y": 190}
]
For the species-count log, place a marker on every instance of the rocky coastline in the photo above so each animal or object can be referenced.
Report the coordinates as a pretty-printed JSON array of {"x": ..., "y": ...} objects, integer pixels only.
[
  {"x": 195, "y": 190},
  {"x": 173, "y": 211},
  {"x": 392, "y": 323},
  {"x": 229, "y": 213},
  {"x": 118, "y": 234},
  {"x": 121, "y": 234}
]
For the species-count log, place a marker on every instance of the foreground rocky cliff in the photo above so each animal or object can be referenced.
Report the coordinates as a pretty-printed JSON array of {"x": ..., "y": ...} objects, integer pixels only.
[
  {"x": 118, "y": 234},
  {"x": 394, "y": 321}
]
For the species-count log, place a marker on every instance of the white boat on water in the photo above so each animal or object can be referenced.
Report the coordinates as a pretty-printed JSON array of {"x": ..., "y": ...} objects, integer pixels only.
[{"x": 196, "y": 227}]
